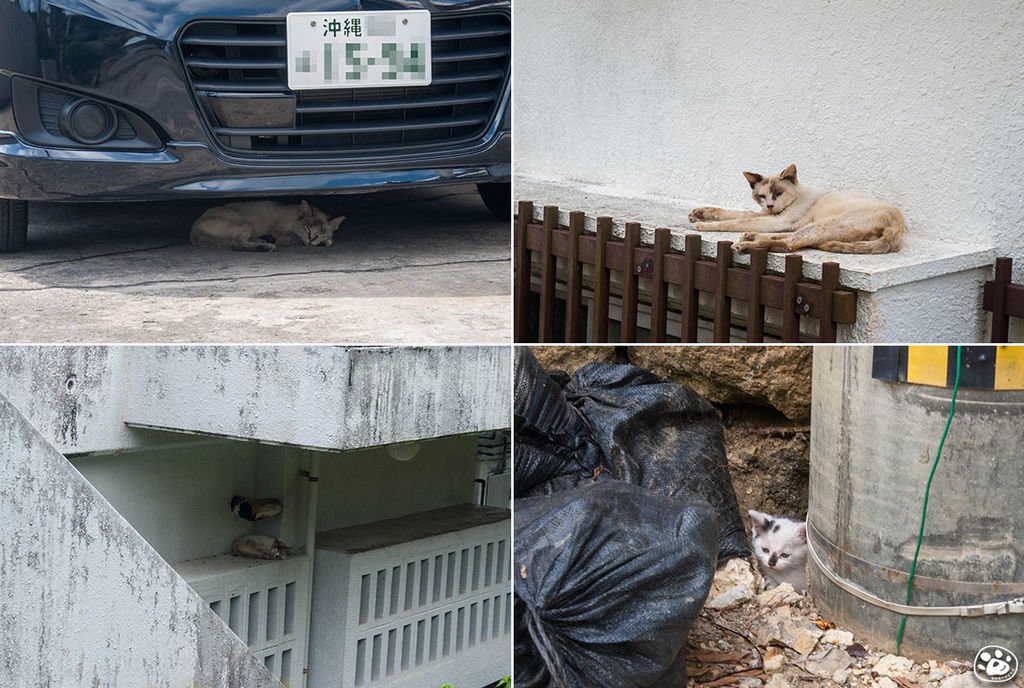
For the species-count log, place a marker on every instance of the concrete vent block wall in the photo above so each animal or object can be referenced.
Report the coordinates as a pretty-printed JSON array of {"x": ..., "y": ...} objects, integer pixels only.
[
  {"x": 262, "y": 602},
  {"x": 414, "y": 601}
]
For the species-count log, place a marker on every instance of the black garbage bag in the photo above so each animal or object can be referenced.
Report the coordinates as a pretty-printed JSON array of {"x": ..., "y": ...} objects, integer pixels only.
[
  {"x": 608, "y": 580},
  {"x": 552, "y": 439},
  {"x": 662, "y": 436}
]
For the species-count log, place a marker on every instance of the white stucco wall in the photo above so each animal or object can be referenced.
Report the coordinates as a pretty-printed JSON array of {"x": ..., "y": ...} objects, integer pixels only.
[
  {"x": 86, "y": 600},
  {"x": 920, "y": 103}
]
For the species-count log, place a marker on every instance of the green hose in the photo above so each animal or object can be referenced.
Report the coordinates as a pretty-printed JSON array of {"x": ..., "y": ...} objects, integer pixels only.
[{"x": 927, "y": 490}]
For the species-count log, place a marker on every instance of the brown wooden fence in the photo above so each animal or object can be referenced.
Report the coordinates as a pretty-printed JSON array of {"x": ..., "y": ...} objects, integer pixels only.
[
  {"x": 550, "y": 261},
  {"x": 1003, "y": 299}
]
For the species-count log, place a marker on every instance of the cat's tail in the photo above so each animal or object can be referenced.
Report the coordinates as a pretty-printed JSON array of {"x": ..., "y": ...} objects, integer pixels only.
[{"x": 892, "y": 226}]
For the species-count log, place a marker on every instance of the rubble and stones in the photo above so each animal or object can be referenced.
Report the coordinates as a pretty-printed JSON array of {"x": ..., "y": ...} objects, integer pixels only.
[{"x": 754, "y": 638}]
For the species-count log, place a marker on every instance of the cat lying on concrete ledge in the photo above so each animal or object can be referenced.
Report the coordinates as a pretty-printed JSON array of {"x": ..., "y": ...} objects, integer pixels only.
[{"x": 794, "y": 216}]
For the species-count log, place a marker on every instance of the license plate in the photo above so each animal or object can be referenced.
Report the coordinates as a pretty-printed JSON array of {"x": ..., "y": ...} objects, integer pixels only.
[{"x": 358, "y": 49}]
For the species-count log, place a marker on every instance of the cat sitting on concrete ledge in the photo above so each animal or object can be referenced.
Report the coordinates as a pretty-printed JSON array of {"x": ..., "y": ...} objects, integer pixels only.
[{"x": 263, "y": 226}]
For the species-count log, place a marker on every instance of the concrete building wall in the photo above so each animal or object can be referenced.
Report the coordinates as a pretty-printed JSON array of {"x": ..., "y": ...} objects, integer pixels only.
[
  {"x": 86, "y": 600},
  {"x": 920, "y": 103},
  {"x": 87, "y": 399},
  {"x": 320, "y": 397},
  {"x": 72, "y": 394}
]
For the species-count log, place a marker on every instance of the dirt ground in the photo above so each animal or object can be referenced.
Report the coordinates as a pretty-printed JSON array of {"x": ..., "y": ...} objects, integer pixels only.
[{"x": 769, "y": 459}]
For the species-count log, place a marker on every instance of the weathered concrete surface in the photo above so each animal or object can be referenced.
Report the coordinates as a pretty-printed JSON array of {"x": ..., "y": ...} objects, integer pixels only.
[
  {"x": 86, "y": 601},
  {"x": 317, "y": 397},
  {"x": 320, "y": 397},
  {"x": 873, "y": 444},
  {"x": 406, "y": 267},
  {"x": 74, "y": 395}
]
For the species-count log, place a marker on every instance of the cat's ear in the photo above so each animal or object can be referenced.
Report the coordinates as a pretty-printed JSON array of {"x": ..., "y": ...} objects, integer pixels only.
[
  {"x": 753, "y": 178},
  {"x": 759, "y": 521},
  {"x": 801, "y": 532},
  {"x": 305, "y": 210},
  {"x": 333, "y": 224},
  {"x": 789, "y": 174}
]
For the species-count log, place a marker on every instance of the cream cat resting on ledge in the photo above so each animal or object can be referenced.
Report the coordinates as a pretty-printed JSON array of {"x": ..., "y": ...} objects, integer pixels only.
[
  {"x": 263, "y": 226},
  {"x": 794, "y": 216}
]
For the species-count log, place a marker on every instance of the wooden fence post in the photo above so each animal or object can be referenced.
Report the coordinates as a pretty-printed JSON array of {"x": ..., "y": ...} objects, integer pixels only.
[
  {"x": 547, "y": 277},
  {"x": 1000, "y": 318},
  {"x": 521, "y": 316},
  {"x": 659, "y": 300},
  {"x": 602, "y": 286},
  {"x": 574, "y": 283},
  {"x": 791, "y": 277}
]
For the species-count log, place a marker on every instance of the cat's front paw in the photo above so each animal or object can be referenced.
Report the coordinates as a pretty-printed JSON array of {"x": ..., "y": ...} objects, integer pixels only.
[
  {"x": 701, "y": 226},
  {"x": 744, "y": 245},
  {"x": 749, "y": 236},
  {"x": 698, "y": 214}
]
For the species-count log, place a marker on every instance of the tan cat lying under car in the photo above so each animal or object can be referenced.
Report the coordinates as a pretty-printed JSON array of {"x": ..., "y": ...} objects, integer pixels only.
[
  {"x": 794, "y": 216},
  {"x": 263, "y": 226}
]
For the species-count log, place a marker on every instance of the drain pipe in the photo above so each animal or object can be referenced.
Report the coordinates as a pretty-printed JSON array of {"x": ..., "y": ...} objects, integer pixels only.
[{"x": 312, "y": 496}]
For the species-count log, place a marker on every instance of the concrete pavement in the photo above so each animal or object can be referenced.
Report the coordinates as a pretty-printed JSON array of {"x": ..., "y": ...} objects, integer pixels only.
[{"x": 406, "y": 267}]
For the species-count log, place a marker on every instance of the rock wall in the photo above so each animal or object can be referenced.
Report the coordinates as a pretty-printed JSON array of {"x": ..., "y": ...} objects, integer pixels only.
[{"x": 764, "y": 394}]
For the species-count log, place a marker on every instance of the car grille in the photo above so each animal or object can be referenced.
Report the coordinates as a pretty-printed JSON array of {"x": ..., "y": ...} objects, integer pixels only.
[{"x": 237, "y": 71}]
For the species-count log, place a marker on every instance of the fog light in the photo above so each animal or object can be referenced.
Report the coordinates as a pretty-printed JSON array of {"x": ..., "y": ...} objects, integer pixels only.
[{"x": 88, "y": 121}]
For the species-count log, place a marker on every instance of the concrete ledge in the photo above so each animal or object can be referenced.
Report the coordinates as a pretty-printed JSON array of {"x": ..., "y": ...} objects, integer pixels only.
[{"x": 921, "y": 257}]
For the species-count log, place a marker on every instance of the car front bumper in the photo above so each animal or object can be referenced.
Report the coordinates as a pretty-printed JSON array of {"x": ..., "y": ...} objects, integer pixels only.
[{"x": 33, "y": 173}]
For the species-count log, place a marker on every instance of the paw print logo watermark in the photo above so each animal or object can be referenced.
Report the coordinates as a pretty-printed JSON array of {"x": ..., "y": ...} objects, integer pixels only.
[{"x": 995, "y": 664}]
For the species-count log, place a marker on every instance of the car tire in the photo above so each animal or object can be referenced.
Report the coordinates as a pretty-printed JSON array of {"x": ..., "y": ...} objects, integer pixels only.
[
  {"x": 13, "y": 225},
  {"x": 498, "y": 198}
]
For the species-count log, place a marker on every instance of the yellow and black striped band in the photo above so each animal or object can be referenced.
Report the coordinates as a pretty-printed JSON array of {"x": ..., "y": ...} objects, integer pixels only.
[{"x": 981, "y": 367}]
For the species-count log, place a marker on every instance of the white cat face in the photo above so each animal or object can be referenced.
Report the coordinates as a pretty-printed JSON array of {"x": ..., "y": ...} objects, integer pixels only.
[
  {"x": 314, "y": 228},
  {"x": 773, "y": 194},
  {"x": 780, "y": 543}
]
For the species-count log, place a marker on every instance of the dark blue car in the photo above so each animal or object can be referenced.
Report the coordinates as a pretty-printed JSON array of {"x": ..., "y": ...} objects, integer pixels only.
[{"x": 108, "y": 100}]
